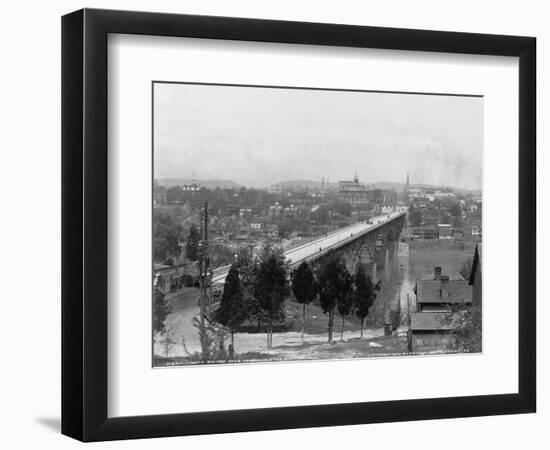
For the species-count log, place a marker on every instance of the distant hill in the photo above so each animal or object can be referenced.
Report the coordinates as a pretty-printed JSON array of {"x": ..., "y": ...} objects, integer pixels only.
[
  {"x": 401, "y": 186},
  {"x": 299, "y": 183},
  {"x": 209, "y": 184},
  {"x": 386, "y": 185},
  {"x": 377, "y": 185}
]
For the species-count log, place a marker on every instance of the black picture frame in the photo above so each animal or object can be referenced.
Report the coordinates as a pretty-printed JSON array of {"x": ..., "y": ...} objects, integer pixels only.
[{"x": 84, "y": 224}]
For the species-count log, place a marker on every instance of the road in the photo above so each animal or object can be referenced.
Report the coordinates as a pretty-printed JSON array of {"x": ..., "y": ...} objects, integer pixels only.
[{"x": 329, "y": 242}]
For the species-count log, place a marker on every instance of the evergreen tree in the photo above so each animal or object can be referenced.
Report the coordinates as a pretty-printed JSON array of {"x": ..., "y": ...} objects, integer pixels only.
[
  {"x": 231, "y": 312},
  {"x": 271, "y": 287},
  {"x": 364, "y": 295},
  {"x": 192, "y": 245},
  {"x": 345, "y": 299},
  {"x": 333, "y": 283},
  {"x": 160, "y": 312},
  {"x": 304, "y": 288}
]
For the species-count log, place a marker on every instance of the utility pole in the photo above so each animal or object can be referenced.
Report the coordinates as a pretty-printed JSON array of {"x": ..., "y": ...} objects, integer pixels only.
[
  {"x": 409, "y": 331},
  {"x": 203, "y": 280}
]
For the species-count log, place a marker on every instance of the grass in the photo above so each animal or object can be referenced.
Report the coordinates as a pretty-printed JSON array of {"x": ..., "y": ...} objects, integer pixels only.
[
  {"x": 354, "y": 348},
  {"x": 448, "y": 254}
]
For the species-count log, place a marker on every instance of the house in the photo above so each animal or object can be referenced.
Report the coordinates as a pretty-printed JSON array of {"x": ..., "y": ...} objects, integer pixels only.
[
  {"x": 431, "y": 331},
  {"x": 256, "y": 226},
  {"x": 233, "y": 210},
  {"x": 275, "y": 189},
  {"x": 275, "y": 210},
  {"x": 193, "y": 187},
  {"x": 441, "y": 293},
  {"x": 432, "y": 324},
  {"x": 243, "y": 231},
  {"x": 245, "y": 212},
  {"x": 444, "y": 231}
]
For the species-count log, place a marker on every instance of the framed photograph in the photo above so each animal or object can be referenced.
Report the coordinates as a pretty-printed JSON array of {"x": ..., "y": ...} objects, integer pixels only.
[{"x": 272, "y": 224}]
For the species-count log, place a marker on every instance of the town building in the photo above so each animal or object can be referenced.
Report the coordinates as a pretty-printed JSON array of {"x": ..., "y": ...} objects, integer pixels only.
[
  {"x": 233, "y": 210},
  {"x": 424, "y": 231},
  {"x": 301, "y": 199},
  {"x": 245, "y": 212},
  {"x": 444, "y": 231},
  {"x": 431, "y": 331},
  {"x": 290, "y": 212},
  {"x": 432, "y": 324},
  {"x": 275, "y": 211},
  {"x": 353, "y": 192},
  {"x": 275, "y": 189},
  {"x": 441, "y": 293},
  {"x": 193, "y": 187},
  {"x": 444, "y": 194},
  {"x": 243, "y": 231}
]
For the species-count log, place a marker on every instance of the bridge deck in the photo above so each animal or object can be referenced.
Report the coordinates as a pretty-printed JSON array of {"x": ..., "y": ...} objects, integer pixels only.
[{"x": 325, "y": 244}]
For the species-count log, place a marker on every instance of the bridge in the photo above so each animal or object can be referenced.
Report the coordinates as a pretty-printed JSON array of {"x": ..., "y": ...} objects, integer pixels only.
[{"x": 355, "y": 243}]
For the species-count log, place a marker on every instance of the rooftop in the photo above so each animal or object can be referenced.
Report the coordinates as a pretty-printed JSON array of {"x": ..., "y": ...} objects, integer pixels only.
[
  {"x": 451, "y": 291},
  {"x": 428, "y": 321}
]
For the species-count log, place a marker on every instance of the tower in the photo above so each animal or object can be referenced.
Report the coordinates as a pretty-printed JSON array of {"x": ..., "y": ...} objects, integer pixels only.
[
  {"x": 407, "y": 178},
  {"x": 356, "y": 178}
]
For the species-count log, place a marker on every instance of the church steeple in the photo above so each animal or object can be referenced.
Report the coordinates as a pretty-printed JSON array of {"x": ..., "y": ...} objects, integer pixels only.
[
  {"x": 407, "y": 178},
  {"x": 356, "y": 178}
]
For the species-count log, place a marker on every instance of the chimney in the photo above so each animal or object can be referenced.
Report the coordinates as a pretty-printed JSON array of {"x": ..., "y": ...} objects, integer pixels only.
[
  {"x": 444, "y": 291},
  {"x": 437, "y": 273}
]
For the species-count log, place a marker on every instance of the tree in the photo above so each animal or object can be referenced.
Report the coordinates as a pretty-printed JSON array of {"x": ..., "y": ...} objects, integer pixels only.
[
  {"x": 271, "y": 287},
  {"x": 192, "y": 245},
  {"x": 174, "y": 194},
  {"x": 304, "y": 288},
  {"x": 345, "y": 300},
  {"x": 321, "y": 215},
  {"x": 466, "y": 268},
  {"x": 466, "y": 332},
  {"x": 168, "y": 341},
  {"x": 247, "y": 274},
  {"x": 415, "y": 216},
  {"x": 364, "y": 295},
  {"x": 160, "y": 312},
  {"x": 456, "y": 209},
  {"x": 165, "y": 236},
  {"x": 342, "y": 208},
  {"x": 231, "y": 312},
  {"x": 332, "y": 284}
]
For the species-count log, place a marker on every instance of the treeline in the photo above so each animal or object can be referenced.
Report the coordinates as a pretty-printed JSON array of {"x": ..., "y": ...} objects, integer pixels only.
[
  {"x": 220, "y": 198},
  {"x": 256, "y": 291}
]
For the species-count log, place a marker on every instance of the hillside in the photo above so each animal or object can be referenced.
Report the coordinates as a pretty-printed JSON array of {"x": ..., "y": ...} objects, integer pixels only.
[{"x": 210, "y": 184}]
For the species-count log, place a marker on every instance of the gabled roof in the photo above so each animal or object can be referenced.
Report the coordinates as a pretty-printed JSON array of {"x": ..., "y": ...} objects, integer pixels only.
[
  {"x": 429, "y": 291},
  {"x": 431, "y": 321}
]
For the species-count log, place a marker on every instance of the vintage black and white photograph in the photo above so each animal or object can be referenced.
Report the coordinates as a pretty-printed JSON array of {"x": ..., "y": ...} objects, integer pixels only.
[{"x": 295, "y": 224}]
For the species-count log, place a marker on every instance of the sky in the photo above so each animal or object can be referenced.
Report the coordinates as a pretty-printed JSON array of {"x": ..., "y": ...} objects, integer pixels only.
[{"x": 259, "y": 136}]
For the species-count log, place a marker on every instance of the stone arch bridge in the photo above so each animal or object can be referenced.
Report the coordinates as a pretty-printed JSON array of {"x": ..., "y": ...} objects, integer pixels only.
[{"x": 361, "y": 242}]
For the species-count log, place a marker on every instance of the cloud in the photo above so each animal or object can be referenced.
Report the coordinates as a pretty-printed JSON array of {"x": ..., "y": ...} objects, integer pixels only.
[{"x": 259, "y": 136}]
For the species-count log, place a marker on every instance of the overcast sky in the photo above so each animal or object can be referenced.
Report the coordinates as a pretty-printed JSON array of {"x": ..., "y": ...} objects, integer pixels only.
[{"x": 260, "y": 136}]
